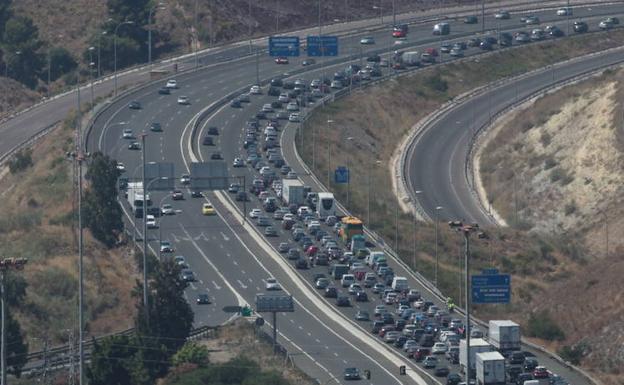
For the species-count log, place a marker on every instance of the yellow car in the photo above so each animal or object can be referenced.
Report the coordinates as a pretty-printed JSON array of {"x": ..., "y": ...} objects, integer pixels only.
[{"x": 207, "y": 209}]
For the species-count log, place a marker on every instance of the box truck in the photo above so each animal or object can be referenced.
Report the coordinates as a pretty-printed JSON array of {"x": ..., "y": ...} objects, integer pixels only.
[
  {"x": 293, "y": 191},
  {"x": 135, "y": 198},
  {"x": 338, "y": 270},
  {"x": 504, "y": 335},
  {"x": 411, "y": 58},
  {"x": 400, "y": 284},
  {"x": 490, "y": 368},
  {"x": 477, "y": 345}
]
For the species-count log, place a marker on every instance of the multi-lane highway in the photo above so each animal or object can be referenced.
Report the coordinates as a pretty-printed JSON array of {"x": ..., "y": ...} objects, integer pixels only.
[{"x": 230, "y": 259}]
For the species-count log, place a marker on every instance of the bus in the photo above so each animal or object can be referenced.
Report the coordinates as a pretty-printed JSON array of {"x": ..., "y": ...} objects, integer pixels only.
[
  {"x": 349, "y": 227},
  {"x": 325, "y": 205}
]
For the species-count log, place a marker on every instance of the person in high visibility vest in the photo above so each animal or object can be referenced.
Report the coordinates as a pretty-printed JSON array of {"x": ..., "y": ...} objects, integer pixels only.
[{"x": 449, "y": 304}]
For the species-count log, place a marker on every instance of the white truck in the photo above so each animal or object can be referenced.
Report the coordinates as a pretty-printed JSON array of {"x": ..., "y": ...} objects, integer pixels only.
[
  {"x": 400, "y": 284},
  {"x": 293, "y": 191},
  {"x": 490, "y": 368},
  {"x": 411, "y": 58},
  {"x": 477, "y": 345},
  {"x": 135, "y": 198},
  {"x": 504, "y": 335}
]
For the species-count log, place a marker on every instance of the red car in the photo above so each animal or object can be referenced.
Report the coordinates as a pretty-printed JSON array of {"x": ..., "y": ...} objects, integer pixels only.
[
  {"x": 540, "y": 372},
  {"x": 420, "y": 354},
  {"x": 431, "y": 51},
  {"x": 281, "y": 60},
  {"x": 312, "y": 250},
  {"x": 398, "y": 33}
]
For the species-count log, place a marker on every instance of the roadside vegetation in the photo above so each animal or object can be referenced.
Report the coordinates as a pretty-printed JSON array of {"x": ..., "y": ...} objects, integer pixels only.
[{"x": 366, "y": 130}]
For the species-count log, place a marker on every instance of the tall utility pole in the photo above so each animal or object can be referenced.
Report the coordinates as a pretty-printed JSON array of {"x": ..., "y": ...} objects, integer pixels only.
[
  {"x": 80, "y": 158},
  {"x": 437, "y": 219},
  {"x": 5, "y": 265},
  {"x": 482, "y": 16},
  {"x": 145, "y": 298},
  {"x": 393, "y": 13},
  {"x": 249, "y": 32},
  {"x": 329, "y": 121}
]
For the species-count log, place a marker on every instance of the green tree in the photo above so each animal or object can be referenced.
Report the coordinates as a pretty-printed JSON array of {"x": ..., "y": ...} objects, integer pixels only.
[
  {"x": 112, "y": 361},
  {"x": 20, "y": 44},
  {"x": 17, "y": 349},
  {"x": 102, "y": 212},
  {"x": 61, "y": 62},
  {"x": 5, "y": 14},
  {"x": 191, "y": 353}
]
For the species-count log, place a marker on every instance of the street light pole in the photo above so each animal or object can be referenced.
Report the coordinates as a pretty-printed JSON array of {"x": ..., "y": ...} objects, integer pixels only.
[
  {"x": 91, "y": 64},
  {"x": 5, "y": 265},
  {"x": 99, "y": 70},
  {"x": 437, "y": 219},
  {"x": 115, "y": 54},
  {"x": 145, "y": 297},
  {"x": 349, "y": 139},
  {"x": 329, "y": 121}
]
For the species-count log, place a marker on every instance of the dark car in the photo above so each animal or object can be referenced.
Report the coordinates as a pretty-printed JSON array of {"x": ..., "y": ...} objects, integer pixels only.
[
  {"x": 361, "y": 297},
  {"x": 203, "y": 299},
  {"x": 301, "y": 263},
  {"x": 331, "y": 292},
  {"x": 530, "y": 364},
  {"x": 471, "y": 20},
  {"x": 516, "y": 358},
  {"x": 276, "y": 82},
  {"x": 208, "y": 141},
  {"x": 421, "y": 353},
  {"x": 362, "y": 315},
  {"x": 474, "y": 42},
  {"x": 213, "y": 131},
  {"x": 261, "y": 115},
  {"x": 134, "y": 146},
  {"x": 374, "y": 59},
  {"x": 274, "y": 91},
  {"x": 522, "y": 377},
  {"x": 216, "y": 156},
  {"x": 580, "y": 27},
  {"x": 343, "y": 301},
  {"x": 188, "y": 275},
  {"x": 513, "y": 372},
  {"x": 241, "y": 196},
  {"x": 351, "y": 374},
  {"x": 134, "y": 105},
  {"x": 308, "y": 62},
  {"x": 235, "y": 103},
  {"x": 441, "y": 372},
  {"x": 155, "y": 127},
  {"x": 453, "y": 379},
  {"x": 376, "y": 327},
  {"x": 196, "y": 194},
  {"x": 164, "y": 91}
]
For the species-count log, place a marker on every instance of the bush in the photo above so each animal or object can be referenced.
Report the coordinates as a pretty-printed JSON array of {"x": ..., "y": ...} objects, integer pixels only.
[
  {"x": 570, "y": 208},
  {"x": 574, "y": 353},
  {"x": 545, "y": 138},
  {"x": 20, "y": 161},
  {"x": 61, "y": 62},
  {"x": 549, "y": 163},
  {"x": 436, "y": 83},
  {"x": 557, "y": 174},
  {"x": 191, "y": 353},
  {"x": 541, "y": 325}
]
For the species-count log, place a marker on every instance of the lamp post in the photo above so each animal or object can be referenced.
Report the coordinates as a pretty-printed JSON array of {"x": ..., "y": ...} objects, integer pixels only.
[
  {"x": 349, "y": 139},
  {"x": 5, "y": 265},
  {"x": 437, "y": 219},
  {"x": 91, "y": 65},
  {"x": 380, "y": 8},
  {"x": 149, "y": 31},
  {"x": 329, "y": 121},
  {"x": 145, "y": 298},
  {"x": 99, "y": 65},
  {"x": 115, "y": 49},
  {"x": 416, "y": 193},
  {"x": 368, "y": 195}
]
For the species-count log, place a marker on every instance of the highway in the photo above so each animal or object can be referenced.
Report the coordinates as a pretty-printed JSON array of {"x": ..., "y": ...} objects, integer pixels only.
[{"x": 230, "y": 260}]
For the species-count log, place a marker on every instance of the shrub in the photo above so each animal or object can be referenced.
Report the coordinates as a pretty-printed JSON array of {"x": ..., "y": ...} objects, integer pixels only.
[
  {"x": 545, "y": 138},
  {"x": 549, "y": 163},
  {"x": 436, "y": 83},
  {"x": 20, "y": 161},
  {"x": 574, "y": 353},
  {"x": 570, "y": 208},
  {"x": 541, "y": 325},
  {"x": 557, "y": 174}
]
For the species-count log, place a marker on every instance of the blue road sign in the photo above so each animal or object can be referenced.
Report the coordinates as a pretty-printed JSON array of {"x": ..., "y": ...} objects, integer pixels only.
[
  {"x": 489, "y": 271},
  {"x": 491, "y": 288},
  {"x": 284, "y": 45},
  {"x": 323, "y": 46},
  {"x": 341, "y": 175}
]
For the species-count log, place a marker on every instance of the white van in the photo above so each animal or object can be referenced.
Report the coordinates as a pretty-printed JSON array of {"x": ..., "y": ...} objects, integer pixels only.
[
  {"x": 347, "y": 280},
  {"x": 400, "y": 284},
  {"x": 442, "y": 29}
]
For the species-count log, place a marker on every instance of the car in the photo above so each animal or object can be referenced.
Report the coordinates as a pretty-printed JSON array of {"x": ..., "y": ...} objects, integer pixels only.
[
  {"x": 207, "y": 209},
  {"x": 379, "y": 288},
  {"x": 362, "y": 315},
  {"x": 456, "y": 52},
  {"x": 216, "y": 156},
  {"x": 177, "y": 195},
  {"x": 270, "y": 231},
  {"x": 164, "y": 91},
  {"x": 537, "y": 34},
  {"x": 155, "y": 127},
  {"x": 267, "y": 108},
  {"x": 430, "y": 362},
  {"x": 171, "y": 83},
  {"x": 398, "y": 33},
  {"x": 134, "y": 146},
  {"x": 185, "y": 179},
  {"x": 212, "y": 130},
  {"x": 540, "y": 372},
  {"x": 471, "y": 20},
  {"x": 208, "y": 141},
  {"x": 441, "y": 372},
  {"x": 301, "y": 263},
  {"x": 445, "y": 48},
  {"x": 167, "y": 209},
  {"x": 439, "y": 348},
  {"x": 566, "y": 11},
  {"x": 530, "y": 20},
  {"x": 203, "y": 299},
  {"x": 351, "y": 374},
  {"x": 272, "y": 284},
  {"x": 255, "y": 213},
  {"x": 127, "y": 133},
  {"x": 197, "y": 194},
  {"x": 453, "y": 379},
  {"x": 243, "y": 98},
  {"x": 134, "y": 105},
  {"x": 255, "y": 90},
  {"x": 187, "y": 275},
  {"x": 606, "y": 24},
  {"x": 294, "y": 117},
  {"x": 235, "y": 103},
  {"x": 180, "y": 261},
  {"x": 368, "y": 40},
  {"x": 530, "y": 364},
  {"x": 343, "y": 301},
  {"x": 522, "y": 377},
  {"x": 150, "y": 222},
  {"x": 331, "y": 292},
  {"x": 281, "y": 60},
  {"x": 580, "y": 27},
  {"x": 361, "y": 296},
  {"x": 241, "y": 196},
  {"x": 283, "y": 247},
  {"x": 522, "y": 37},
  {"x": 308, "y": 62},
  {"x": 291, "y": 175},
  {"x": 292, "y": 106},
  {"x": 184, "y": 100},
  {"x": 234, "y": 188},
  {"x": 322, "y": 283},
  {"x": 502, "y": 15}
]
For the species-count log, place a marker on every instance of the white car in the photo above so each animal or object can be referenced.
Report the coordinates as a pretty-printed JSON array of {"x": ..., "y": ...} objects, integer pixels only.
[
  {"x": 244, "y": 98},
  {"x": 171, "y": 83},
  {"x": 283, "y": 98},
  {"x": 255, "y": 213},
  {"x": 379, "y": 310},
  {"x": 336, "y": 84},
  {"x": 294, "y": 117},
  {"x": 439, "y": 348},
  {"x": 367, "y": 40},
  {"x": 267, "y": 108},
  {"x": 121, "y": 167},
  {"x": 127, "y": 133},
  {"x": 183, "y": 99},
  {"x": 272, "y": 284},
  {"x": 291, "y": 175},
  {"x": 292, "y": 106},
  {"x": 151, "y": 222},
  {"x": 185, "y": 179},
  {"x": 564, "y": 11},
  {"x": 255, "y": 90},
  {"x": 167, "y": 209},
  {"x": 238, "y": 162}
]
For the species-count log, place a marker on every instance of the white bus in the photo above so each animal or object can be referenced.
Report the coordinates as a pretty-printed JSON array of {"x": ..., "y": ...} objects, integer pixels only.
[{"x": 325, "y": 205}]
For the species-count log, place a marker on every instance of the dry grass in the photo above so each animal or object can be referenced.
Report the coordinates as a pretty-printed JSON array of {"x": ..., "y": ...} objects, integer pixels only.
[
  {"x": 15, "y": 97},
  {"x": 37, "y": 223},
  {"x": 377, "y": 123}
]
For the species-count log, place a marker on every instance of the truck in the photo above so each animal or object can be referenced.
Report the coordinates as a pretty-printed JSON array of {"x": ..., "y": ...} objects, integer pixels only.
[
  {"x": 375, "y": 256},
  {"x": 135, "y": 198},
  {"x": 293, "y": 192},
  {"x": 490, "y": 368},
  {"x": 338, "y": 270},
  {"x": 411, "y": 58},
  {"x": 358, "y": 242},
  {"x": 477, "y": 345},
  {"x": 504, "y": 335},
  {"x": 400, "y": 284}
]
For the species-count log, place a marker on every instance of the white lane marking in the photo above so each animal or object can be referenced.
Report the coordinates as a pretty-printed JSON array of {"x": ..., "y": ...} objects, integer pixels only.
[
  {"x": 216, "y": 285},
  {"x": 241, "y": 284},
  {"x": 234, "y": 262},
  {"x": 225, "y": 237},
  {"x": 243, "y": 271}
]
